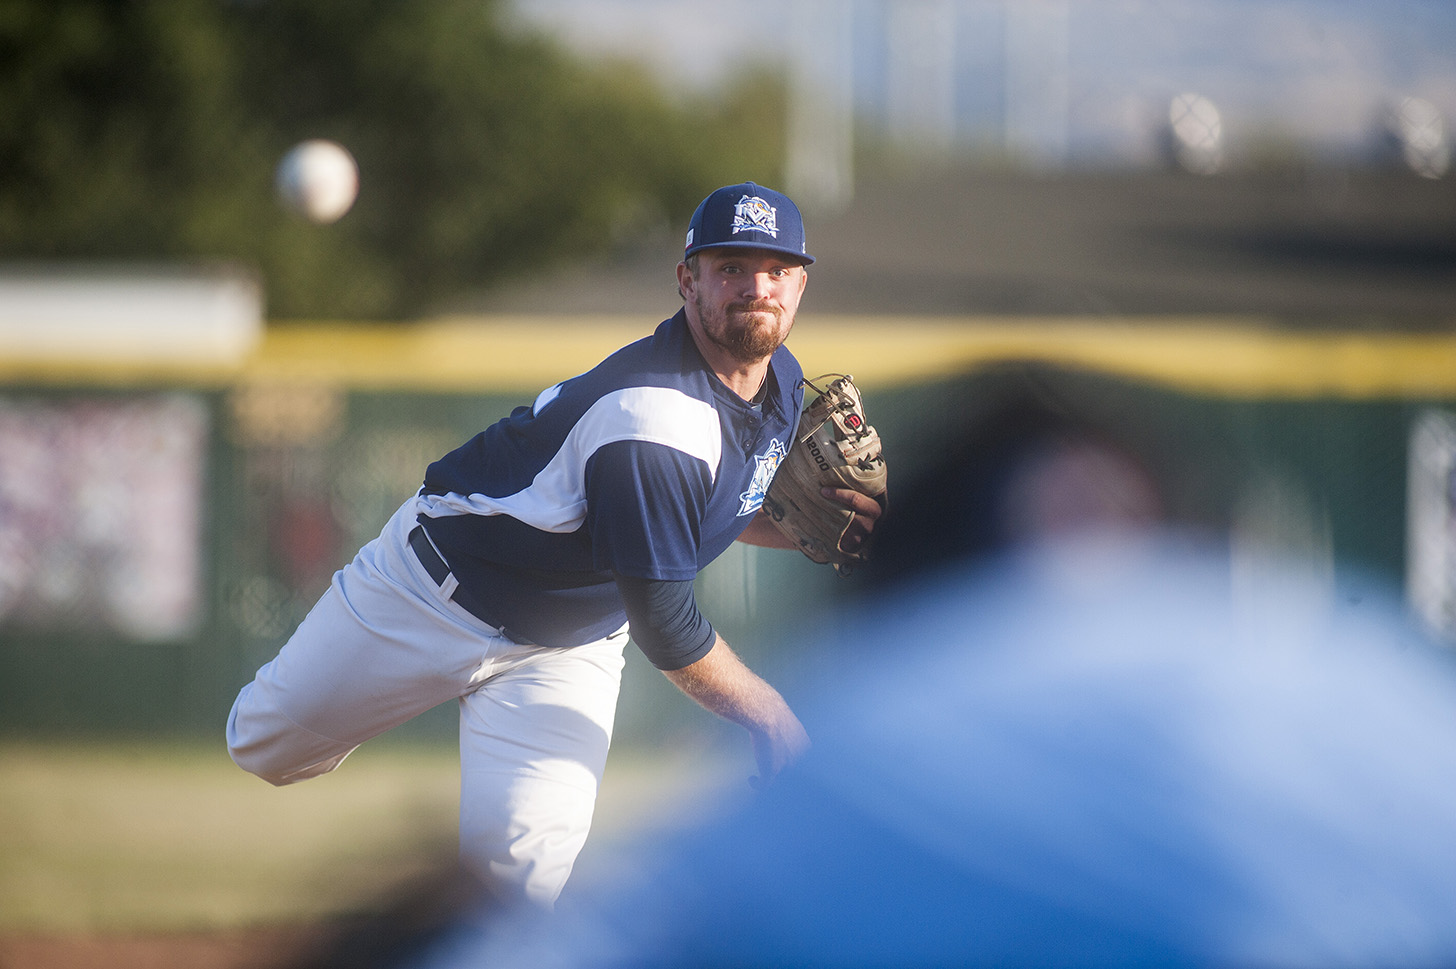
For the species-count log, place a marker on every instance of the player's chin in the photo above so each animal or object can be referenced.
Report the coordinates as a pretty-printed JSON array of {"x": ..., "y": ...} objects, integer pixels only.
[{"x": 754, "y": 342}]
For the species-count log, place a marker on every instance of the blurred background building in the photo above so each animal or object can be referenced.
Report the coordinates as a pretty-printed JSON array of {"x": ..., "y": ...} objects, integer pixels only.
[
  {"x": 1030, "y": 157},
  {"x": 1052, "y": 84}
]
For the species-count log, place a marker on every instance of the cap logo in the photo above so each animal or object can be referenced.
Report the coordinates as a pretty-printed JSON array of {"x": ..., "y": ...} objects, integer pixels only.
[{"x": 752, "y": 212}]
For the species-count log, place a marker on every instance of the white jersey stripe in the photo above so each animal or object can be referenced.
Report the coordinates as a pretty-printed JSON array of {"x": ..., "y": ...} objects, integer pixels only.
[{"x": 555, "y": 501}]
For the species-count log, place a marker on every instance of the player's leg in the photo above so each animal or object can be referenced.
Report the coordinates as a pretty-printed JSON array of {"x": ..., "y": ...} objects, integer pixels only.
[
  {"x": 533, "y": 745},
  {"x": 384, "y": 644}
]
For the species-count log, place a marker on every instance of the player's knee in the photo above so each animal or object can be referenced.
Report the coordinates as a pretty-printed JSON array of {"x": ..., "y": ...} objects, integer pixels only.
[
  {"x": 254, "y": 757},
  {"x": 274, "y": 777},
  {"x": 281, "y": 764},
  {"x": 256, "y": 766},
  {"x": 276, "y": 749}
]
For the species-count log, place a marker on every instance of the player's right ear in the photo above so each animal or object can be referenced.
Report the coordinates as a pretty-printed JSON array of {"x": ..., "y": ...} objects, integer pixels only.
[{"x": 685, "y": 274}]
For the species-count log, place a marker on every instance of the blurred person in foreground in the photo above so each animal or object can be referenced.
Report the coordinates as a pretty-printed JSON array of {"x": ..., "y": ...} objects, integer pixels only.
[
  {"x": 1090, "y": 748},
  {"x": 510, "y": 582}
]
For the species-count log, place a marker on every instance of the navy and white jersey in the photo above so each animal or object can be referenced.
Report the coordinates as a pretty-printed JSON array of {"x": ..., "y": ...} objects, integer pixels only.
[{"x": 646, "y": 465}]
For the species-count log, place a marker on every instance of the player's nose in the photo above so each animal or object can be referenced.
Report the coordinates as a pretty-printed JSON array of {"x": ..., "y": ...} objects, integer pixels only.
[{"x": 761, "y": 285}]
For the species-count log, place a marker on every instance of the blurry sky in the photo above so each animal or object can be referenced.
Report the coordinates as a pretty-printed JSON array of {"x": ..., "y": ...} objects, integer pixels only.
[{"x": 1084, "y": 79}]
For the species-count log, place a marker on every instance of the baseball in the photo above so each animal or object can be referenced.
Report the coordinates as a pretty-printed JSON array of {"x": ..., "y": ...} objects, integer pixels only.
[{"x": 319, "y": 180}]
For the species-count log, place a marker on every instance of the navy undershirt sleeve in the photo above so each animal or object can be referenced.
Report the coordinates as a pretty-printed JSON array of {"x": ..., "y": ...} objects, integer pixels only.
[{"x": 665, "y": 622}]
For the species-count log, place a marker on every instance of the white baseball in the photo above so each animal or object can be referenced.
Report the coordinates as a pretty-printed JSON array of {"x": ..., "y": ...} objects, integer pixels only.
[{"x": 318, "y": 179}]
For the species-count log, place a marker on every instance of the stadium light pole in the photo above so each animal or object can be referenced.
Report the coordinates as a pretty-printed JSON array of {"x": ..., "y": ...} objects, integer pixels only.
[
  {"x": 819, "y": 156},
  {"x": 920, "y": 96},
  {"x": 1038, "y": 83}
]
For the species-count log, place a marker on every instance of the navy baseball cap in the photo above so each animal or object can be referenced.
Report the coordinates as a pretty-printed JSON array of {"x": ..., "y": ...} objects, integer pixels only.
[{"x": 748, "y": 216}]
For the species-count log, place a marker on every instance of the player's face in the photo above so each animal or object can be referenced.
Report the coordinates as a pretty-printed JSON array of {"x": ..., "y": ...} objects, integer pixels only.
[{"x": 743, "y": 301}]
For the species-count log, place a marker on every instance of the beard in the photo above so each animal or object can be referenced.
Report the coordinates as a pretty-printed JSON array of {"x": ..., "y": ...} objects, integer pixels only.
[{"x": 747, "y": 331}]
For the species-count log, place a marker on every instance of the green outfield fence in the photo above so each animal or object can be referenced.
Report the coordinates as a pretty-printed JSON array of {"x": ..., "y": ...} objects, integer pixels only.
[{"x": 163, "y": 527}]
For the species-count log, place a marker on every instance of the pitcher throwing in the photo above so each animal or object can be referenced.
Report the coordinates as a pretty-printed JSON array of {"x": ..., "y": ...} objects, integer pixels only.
[{"x": 512, "y": 580}]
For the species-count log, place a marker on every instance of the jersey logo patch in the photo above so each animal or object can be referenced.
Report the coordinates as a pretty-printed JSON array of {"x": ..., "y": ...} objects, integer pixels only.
[
  {"x": 768, "y": 463},
  {"x": 752, "y": 212}
]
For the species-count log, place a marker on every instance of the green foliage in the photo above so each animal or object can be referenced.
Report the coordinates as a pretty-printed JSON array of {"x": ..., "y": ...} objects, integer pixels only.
[{"x": 150, "y": 130}]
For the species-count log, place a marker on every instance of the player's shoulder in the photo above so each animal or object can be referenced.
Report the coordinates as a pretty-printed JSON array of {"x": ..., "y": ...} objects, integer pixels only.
[
  {"x": 660, "y": 359},
  {"x": 786, "y": 366},
  {"x": 644, "y": 391}
]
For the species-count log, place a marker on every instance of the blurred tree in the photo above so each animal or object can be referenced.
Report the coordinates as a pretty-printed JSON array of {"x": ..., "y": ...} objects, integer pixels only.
[{"x": 150, "y": 130}]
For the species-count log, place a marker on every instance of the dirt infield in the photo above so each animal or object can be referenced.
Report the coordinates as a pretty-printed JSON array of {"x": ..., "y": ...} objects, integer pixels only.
[{"x": 235, "y": 949}]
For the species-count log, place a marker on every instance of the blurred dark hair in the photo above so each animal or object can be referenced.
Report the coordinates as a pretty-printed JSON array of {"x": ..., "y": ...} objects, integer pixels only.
[{"x": 1037, "y": 450}]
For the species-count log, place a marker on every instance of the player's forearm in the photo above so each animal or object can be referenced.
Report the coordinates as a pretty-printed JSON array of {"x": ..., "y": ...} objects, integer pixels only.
[
  {"x": 722, "y": 684},
  {"x": 763, "y": 533}
]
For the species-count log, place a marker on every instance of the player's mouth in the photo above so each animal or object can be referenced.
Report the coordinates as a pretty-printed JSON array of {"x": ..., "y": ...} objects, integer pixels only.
[{"x": 770, "y": 310}]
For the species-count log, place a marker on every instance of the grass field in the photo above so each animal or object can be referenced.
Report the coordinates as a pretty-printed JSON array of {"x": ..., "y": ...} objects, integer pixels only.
[
  {"x": 176, "y": 838},
  {"x": 133, "y": 838}
]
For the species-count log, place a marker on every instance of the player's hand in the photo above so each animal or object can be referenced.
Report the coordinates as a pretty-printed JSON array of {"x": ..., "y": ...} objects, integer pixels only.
[
  {"x": 867, "y": 512},
  {"x": 777, "y": 746}
]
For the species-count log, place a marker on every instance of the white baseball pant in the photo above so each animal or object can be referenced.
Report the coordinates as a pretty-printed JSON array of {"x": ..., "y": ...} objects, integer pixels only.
[{"x": 384, "y": 644}]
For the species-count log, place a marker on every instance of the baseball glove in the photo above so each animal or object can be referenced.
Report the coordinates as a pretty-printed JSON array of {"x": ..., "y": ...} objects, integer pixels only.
[{"x": 834, "y": 447}]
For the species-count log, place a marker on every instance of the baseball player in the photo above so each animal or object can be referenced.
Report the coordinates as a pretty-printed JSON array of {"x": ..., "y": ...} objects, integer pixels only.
[{"x": 512, "y": 580}]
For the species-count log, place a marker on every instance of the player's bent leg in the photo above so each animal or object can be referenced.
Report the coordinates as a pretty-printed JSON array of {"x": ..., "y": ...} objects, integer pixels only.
[
  {"x": 266, "y": 742},
  {"x": 381, "y": 646},
  {"x": 323, "y": 694},
  {"x": 533, "y": 746}
]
